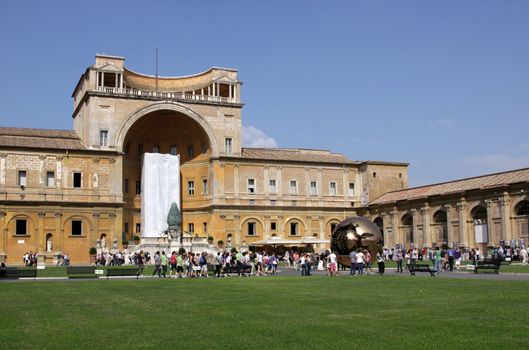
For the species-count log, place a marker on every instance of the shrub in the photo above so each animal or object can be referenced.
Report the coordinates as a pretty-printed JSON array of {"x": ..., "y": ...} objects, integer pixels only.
[
  {"x": 92, "y": 251},
  {"x": 136, "y": 238}
]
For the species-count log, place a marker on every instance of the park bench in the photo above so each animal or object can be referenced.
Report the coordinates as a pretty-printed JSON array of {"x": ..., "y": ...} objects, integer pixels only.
[
  {"x": 421, "y": 268},
  {"x": 81, "y": 271},
  {"x": 488, "y": 264},
  {"x": 123, "y": 271},
  {"x": 16, "y": 273},
  {"x": 234, "y": 270}
]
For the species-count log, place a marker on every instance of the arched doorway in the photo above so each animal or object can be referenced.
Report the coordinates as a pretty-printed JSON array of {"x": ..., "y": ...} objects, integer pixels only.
[
  {"x": 440, "y": 227},
  {"x": 479, "y": 215},
  {"x": 407, "y": 229},
  {"x": 165, "y": 131},
  {"x": 380, "y": 224},
  {"x": 521, "y": 211}
]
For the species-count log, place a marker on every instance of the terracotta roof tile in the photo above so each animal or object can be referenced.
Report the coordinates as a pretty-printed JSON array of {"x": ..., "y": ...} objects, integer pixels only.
[
  {"x": 40, "y": 138},
  {"x": 474, "y": 183},
  {"x": 295, "y": 155}
]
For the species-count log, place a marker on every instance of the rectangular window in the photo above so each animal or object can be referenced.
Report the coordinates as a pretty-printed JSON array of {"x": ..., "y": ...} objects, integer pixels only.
[
  {"x": 294, "y": 228},
  {"x": 205, "y": 186},
  {"x": 272, "y": 186},
  {"x": 77, "y": 227},
  {"x": 313, "y": 188},
  {"x": 138, "y": 186},
  {"x": 227, "y": 144},
  {"x": 293, "y": 187},
  {"x": 205, "y": 227},
  {"x": 191, "y": 188},
  {"x": 251, "y": 185},
  {"x": 190, "y": 152},
  {"x": 22, "y": 227},
  {"x": 332, "y": 188},
  {"x": 138, "y": 228},
  {"x": 191, "y": 227},
  {"x": 139, "y": 150},
  {"x": 273, "y": 226},
  {"x": 22, "y": 178},
  {"x": 77, "y": 180},
  {"x": 173, "y": 150},
  {"x": 351, "y": 189},
  {"x": 50, "y": 179},
  {"x": 126, "y": 186},
  {"x": 103, "y": 137},
  {"x": 156, "y": 149},
  {"x": 251, "y": 229}
]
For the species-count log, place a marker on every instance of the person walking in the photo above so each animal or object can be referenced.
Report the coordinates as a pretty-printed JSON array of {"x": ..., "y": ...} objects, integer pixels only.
[
  {"x": 218, "y": 264},
  {"x": 141, "y": 263},
  {"x": 524, "y": 255},
  {"x": 360, "y": 258},
  {"x": 157, "y": 262},
  {"x": 381, "y": 264},
  {"x": 333, "y": 265},
  {"x": 173, "y": 261},
  {"x": 437, "y": 256},
  {"x": 400, "y": 258},
  {"x": 352, "y": 259},
  {"x": 367, "y": 258},
  {"x": 163, "y": 262}
]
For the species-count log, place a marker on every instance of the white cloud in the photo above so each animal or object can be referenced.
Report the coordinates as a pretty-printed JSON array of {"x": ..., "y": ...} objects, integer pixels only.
[{"x": 253, "y": 137}]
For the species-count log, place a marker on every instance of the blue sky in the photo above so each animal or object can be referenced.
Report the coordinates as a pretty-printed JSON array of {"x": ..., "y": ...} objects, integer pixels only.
[{"x": 442, "y": 85}]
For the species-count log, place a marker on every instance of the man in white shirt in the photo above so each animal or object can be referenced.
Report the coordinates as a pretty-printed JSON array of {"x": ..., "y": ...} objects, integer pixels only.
[
  {"x": 360, "y": 257},
  {"x": 333, "y": 266}
]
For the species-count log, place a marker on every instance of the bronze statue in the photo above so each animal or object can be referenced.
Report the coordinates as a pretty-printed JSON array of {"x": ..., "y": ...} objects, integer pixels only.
[
  {"x": 174, "y": 222},
  {"x": 355, "y": 233}
]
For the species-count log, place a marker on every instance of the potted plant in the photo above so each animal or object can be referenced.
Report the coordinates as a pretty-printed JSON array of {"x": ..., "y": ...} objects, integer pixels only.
[
  {"x": 136, "y": 240},
  {"x": 92, "y": 252},
  {"x": 210, "y": 239},
  {"x": 220, "y": 243}
]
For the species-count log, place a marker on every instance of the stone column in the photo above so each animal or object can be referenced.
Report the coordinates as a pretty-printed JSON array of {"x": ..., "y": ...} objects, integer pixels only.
[
  {"x": 395, "y": 227},
  {"x": 464, "y": 237},
  {"x": 3, "y": 158},
  {"x": 323, "y": 234},
  {"x": 490, "y": 223},
  {"x": 449, "y": 228},
  {"x": 59, "y": 232},
  {"x": 266, "y": 228},
  {"x": 95, "y": 229},
  {"x": 505, "y": 205},
  {"x": 3, "y": 238},
  {"x": 415, "y": 230},
  {"x": 425, "y": 211}
]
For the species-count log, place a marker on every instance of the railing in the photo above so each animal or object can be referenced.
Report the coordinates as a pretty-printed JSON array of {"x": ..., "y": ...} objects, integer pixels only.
[{"x": 165, "y": 95}]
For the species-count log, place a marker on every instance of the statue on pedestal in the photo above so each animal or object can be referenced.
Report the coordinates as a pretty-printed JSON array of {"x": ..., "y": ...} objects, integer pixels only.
[{"x": 174, "y": 223}]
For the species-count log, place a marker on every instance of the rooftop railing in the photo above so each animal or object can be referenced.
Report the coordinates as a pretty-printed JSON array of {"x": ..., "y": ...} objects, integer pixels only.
[{"x": 165, "y": 95}]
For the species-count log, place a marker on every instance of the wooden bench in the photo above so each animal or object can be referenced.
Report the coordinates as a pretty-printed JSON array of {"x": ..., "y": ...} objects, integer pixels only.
[
  {"x": 234, "y": 270},
  {"x": 123, "y": 271},
  {"x": 421, "y": 268},
  {"x": 488, "y": 264},
  {"x": 81, "y": 271},
  {"x": 16, "y": 273}
]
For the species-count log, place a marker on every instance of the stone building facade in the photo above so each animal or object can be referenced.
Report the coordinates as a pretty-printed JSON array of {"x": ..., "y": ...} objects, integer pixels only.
[
  {"x": 61, "y": 191},
  {"x": 476, "y": 212}
]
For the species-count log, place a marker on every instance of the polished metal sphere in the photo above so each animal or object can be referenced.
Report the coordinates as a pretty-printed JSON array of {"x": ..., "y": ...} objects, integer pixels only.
[{"x": 354, "y": 233}]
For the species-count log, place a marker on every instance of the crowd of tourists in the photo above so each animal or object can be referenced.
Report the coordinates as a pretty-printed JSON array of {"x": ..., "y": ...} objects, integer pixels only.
[{"x": 30, "y": 259}]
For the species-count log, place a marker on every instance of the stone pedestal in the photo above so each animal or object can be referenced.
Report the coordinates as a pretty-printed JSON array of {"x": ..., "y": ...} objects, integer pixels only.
[{"x": 168, "y": 244}]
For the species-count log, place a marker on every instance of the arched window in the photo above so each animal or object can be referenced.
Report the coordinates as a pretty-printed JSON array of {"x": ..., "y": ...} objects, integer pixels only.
[
  {"x": 380, "y": 224},
  {"x": 407, "y": 220},
  {"x": 479, "y": 213},
  {"x": 522, "y": 208},
  {"x": 439, "y": 217}
]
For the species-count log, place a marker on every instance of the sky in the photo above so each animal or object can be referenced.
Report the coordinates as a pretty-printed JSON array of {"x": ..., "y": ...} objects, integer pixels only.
[{"x": 442, "y": 85}]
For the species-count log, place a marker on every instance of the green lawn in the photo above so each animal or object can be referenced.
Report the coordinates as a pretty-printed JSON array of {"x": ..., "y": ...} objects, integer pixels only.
[{"x": 267, "y": 312}]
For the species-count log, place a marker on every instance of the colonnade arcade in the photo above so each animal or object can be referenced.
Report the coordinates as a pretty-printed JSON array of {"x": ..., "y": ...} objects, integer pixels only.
[{"x": 468, "y": 224}]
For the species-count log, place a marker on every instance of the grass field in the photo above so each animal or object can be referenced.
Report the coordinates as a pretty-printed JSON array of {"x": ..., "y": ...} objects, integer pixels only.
[{"x": 267, "y": 312}]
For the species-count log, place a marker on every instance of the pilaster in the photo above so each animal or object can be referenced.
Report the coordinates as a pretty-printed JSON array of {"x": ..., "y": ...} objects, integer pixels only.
[
  {"x": 449, "y": 228},
  {"x": 425, "y": 211},
  {"x": 464, "y": 237},
  {"x": 505, "y": 205}
]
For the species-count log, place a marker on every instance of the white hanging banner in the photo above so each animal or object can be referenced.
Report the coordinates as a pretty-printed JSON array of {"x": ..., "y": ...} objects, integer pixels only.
[{"x": 160, "y": 186}]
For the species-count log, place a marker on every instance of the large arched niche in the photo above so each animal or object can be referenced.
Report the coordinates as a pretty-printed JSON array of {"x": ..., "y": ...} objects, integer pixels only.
[
  {"x": 167, "y": 129},
  {"x": 167, "y": 109}
]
